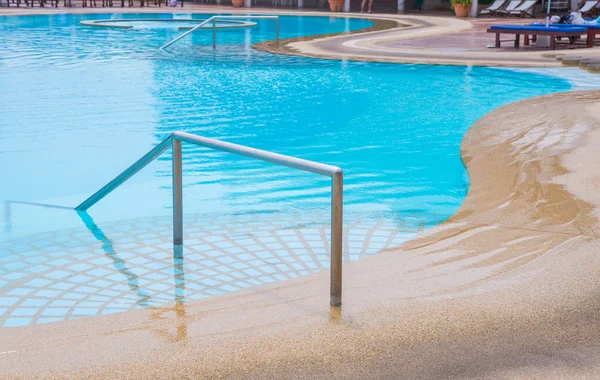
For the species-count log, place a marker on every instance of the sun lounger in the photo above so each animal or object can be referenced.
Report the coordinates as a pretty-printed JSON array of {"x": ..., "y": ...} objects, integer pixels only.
[
  {"x": 527, "y": 9},
  {"x": 534, "y": 30},
  {"x": 146, "y": 3},
  {"x": 589, "y": 8},
  {"x": 7, "y": 3},
  {"x": 42, "y": 3},
  {"x": 493, "y": 8},
  {"x": 512, "y": 5},
  {"x": 558, "y": 6},
  {"x": 591, "y": 30}
]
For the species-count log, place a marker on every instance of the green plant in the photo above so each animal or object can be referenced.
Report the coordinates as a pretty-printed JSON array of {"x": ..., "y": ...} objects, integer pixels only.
[{"x": 463, "y": 2}]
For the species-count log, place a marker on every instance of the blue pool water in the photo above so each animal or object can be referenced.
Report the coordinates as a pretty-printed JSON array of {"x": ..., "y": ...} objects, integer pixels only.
[{"x": 80, "y": 104}]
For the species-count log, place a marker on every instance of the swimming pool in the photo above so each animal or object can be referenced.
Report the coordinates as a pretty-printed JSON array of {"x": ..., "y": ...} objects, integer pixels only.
[{"x": 80, "y": 104}]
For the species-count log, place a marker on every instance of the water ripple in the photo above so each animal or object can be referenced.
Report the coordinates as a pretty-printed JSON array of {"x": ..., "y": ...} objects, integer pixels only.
[{"x": 85, "y": 102}]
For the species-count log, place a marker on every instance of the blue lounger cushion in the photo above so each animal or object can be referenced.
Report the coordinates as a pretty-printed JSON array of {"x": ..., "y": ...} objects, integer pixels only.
[
  {"x": 586, "y": 26},
  {"x": 533, "y": 28}
]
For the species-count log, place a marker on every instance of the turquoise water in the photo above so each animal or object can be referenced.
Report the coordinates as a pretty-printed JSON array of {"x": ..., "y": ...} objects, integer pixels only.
[
  {"x": 85, "y": 102},
  {"x": 80, "y": 104}
]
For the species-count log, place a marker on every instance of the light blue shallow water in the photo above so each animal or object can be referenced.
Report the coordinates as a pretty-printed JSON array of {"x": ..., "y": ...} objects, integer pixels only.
[{"x": 79, "y": 104}]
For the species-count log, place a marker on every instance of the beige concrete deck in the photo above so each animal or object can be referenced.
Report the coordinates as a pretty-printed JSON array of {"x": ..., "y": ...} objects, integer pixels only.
[
  {"x": 427, "y": 40},
  {"x": 506, "y": 288}
]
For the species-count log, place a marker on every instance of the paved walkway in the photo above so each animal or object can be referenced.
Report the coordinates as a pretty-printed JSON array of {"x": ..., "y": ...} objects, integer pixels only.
[{"x": 427, "y": 39}]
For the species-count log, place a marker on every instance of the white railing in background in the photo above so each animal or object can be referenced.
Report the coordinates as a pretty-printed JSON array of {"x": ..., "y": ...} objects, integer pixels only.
[{"x": 214, "y": 20}]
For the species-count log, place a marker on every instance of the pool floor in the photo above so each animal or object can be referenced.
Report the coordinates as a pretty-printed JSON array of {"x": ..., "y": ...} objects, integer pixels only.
[{"x": 92, "y": 271}]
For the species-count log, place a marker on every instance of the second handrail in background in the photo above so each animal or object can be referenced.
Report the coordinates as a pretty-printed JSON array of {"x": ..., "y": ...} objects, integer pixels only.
[{"x": 214, "y": 20}]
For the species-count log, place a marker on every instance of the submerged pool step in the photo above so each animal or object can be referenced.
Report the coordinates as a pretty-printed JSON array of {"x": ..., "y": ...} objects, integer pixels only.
[
  {"x": 591, "y": 64},
  {"x": 554, "y": 55},
  {"x": 587, "y": 62},
  {"x": 571, "y": 60},
  {"x": 593, "y": 68},
  {"x": 75, "y": 273}
]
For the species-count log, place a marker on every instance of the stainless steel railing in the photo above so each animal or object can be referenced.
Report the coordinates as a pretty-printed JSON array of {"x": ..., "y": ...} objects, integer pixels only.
[
  {"x": 174, "y": 141},
  {"x": 214, "y": 20}
]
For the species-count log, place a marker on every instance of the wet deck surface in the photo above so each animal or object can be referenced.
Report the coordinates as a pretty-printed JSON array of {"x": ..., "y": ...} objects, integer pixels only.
[{"x": 476, "y": 39}]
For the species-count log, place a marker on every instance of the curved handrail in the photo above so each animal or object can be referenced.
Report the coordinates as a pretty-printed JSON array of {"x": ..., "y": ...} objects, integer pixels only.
[
  {"x": 186, "y": 33},
  {"x": 214, "y": 19},
  {"x": 174, "y": 141}
]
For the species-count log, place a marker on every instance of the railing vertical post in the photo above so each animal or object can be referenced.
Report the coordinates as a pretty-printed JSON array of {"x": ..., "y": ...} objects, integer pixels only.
[
  {"x": 214, "y": 34},
  {"x": 177, "y": 194},
  {"x": 277, "y": 32},
  {"x": 336, "y": 238},
  {"x": 7, "y": 217}
]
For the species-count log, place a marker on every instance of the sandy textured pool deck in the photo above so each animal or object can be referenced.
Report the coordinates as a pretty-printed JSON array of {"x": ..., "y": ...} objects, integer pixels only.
[{"x": 507, "y": 288}]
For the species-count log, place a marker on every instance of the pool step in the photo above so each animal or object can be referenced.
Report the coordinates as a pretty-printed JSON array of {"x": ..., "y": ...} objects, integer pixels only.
[
  {"x": 90, "y": 271},
  {"x": 553, "y": 55},
  {"x": 591, "y": 64},
  {"x": 593, "y": 68},
  {"x": 571, "y": 60},
  {"x": 585, "y": 63}
]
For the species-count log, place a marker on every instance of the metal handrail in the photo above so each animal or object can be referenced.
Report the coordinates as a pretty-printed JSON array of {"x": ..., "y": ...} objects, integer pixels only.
[
  {"x": 175, "y": 140},
  {"x": 214, "y": 20}
]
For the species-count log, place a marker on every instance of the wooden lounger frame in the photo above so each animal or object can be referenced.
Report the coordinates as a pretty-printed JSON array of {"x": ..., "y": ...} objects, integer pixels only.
[{"x": 591, "y": 34}]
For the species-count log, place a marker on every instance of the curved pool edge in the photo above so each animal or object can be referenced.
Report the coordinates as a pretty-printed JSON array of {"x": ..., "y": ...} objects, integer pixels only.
[
  {"x": 285, "y": 45},
  {"x": 509, "y": 278}
]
